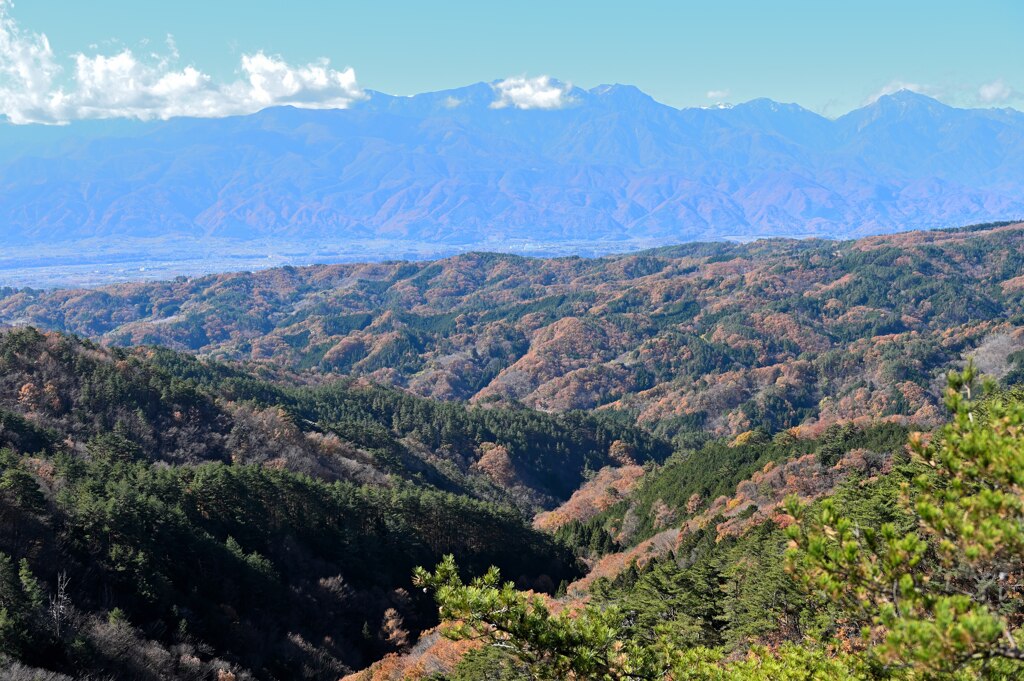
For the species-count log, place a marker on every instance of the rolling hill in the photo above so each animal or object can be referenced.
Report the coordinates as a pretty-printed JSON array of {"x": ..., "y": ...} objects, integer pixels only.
[{"x": 722, "y": 337}]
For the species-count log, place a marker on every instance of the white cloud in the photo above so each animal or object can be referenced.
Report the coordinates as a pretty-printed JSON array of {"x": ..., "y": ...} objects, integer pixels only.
[
  {"x": 895, "y": 86},
  {"x": 28, "y": 69},
  {"x": 531, "y": 93},
  {"x": 995, "y": 92},
  {"x": 717, "y": 95},
  {"x": 34, "y": 88},
  {"x": 271, "y": 81}
]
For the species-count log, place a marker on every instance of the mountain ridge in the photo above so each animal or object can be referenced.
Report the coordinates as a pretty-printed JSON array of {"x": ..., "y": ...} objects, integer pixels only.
[
  {"x": 715, "y": 334},
  {"x": 612, "y": 167}
]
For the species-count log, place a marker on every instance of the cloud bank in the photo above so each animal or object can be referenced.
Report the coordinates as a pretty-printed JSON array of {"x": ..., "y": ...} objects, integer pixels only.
[
  {"x": 36, "y": 88},
  {"x": 995, "y": 92},
  {"x": 541, "y": 92}
]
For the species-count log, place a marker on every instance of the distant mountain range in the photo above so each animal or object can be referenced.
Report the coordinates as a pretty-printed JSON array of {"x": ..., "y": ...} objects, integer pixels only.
[{"x": 612, "y": 167}]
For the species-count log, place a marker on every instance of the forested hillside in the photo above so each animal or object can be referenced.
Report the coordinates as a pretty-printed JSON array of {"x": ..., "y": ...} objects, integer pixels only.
[
  {"x": 719, "y": 337},
  {"x": 881, "y": 556},
  {"x": 710, "y": 462},
  {"x": 206, "y": 519}
]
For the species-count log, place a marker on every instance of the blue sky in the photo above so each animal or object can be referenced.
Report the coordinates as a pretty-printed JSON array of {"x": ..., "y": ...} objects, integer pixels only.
[{"x": 828, "y": 56}]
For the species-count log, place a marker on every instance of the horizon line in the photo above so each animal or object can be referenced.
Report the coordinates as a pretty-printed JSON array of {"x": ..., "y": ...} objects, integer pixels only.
[{"x": 567, "y": 87}]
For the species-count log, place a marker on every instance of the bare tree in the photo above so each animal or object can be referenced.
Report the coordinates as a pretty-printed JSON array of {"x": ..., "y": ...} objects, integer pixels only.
[{"x": 60, "y": 602}]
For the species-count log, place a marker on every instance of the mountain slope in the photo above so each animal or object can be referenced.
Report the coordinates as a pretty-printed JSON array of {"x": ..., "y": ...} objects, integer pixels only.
[
  {"x": 613, "y": 166},
  {"x": 59, "y": 392},
  {"x": 770, "y": 334},
  {"x": 210, "y": 520}
]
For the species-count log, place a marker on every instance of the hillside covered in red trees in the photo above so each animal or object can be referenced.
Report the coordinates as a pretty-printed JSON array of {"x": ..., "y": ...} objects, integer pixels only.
[
  {"x": 623, "y": 437},
  {"x": 721, "y": 337}
]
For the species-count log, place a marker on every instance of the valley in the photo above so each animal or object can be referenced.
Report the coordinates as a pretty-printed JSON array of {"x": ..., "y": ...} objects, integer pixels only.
[
  {"x": 535, "y": 341},
  {"x": 623, "y": 434}
]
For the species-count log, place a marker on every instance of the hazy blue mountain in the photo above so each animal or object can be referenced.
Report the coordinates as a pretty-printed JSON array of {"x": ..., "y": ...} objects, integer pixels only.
[{"x": 446, "y": 167}]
